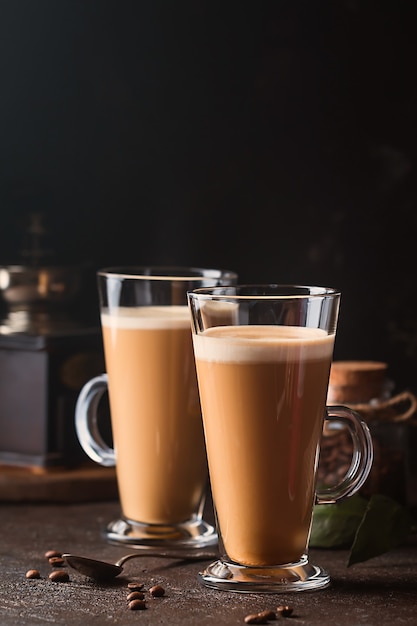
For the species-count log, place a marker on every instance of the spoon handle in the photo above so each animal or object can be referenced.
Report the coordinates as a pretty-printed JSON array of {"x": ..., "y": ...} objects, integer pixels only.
[{"x": 199, "y": 555}]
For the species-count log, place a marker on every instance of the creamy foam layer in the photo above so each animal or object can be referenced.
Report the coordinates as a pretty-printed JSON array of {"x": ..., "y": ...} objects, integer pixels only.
[
  {"x": 252, "y": 343},
  {"x": 155, "y": 317}
]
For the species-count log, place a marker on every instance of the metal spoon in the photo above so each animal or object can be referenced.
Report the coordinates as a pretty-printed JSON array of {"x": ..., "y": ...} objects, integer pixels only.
[{"x": 102, "y": 570}]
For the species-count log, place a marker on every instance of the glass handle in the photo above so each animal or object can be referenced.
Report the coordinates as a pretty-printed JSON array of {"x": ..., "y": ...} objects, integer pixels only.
[
  {"x": 86, "y": 422},
  {"x": 362, "y": 456}
]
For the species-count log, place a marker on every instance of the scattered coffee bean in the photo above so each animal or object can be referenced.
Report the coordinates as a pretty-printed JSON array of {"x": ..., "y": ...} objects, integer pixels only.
[
  {"x": 285, "y": 610},
  {"x": 56, "y": 561},
  {"x": 255, "y": 618},
  {"x": 137, "y": 605},
  {"x": 268, "y": 615},
  {"x": 157, "y": 591},
  {"x": 135, "y": 595},
  {"x": 59, "y": 576},
  {"x": 33, "y": 573},
  {"x": 49, "y": 554},
  {"x": 135, "y": 586}
]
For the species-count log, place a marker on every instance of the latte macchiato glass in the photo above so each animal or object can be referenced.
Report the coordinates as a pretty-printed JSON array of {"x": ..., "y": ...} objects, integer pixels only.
[
  {"x": 158, "y": 443},
  {"x": 263, "y": 377}
]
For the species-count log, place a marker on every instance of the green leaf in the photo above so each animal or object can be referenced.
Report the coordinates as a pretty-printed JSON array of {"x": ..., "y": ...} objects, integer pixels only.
[
  {"x": 385, "y": 525},
  {"x": 335, "y": 525}
]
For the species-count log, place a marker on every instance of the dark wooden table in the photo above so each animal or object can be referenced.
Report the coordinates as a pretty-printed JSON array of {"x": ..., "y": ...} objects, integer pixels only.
[{"x": 378, "y": 592}]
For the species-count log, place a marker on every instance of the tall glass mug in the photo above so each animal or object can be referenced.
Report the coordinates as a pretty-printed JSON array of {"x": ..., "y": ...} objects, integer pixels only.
[
  {"x": 263, "y": 378},
  {"x": 159, "y": 450}
]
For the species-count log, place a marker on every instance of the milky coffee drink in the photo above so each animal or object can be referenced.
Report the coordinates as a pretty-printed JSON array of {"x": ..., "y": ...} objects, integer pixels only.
[
  {"x": 155, "y": 412},
  {"x": 263, "y": 425}
]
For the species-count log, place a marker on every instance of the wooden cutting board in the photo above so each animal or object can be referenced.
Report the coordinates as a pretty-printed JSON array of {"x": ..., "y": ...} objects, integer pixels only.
[{"x": 81, "y": 484}]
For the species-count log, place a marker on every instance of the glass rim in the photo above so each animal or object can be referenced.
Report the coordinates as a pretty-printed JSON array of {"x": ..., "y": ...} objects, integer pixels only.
[
  {"x": 164, "y": 272},
  {"x": 309, "y": 291}
]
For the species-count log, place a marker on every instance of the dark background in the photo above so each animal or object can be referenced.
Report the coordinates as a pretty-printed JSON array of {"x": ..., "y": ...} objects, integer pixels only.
[{"x": 277, "y": 139}]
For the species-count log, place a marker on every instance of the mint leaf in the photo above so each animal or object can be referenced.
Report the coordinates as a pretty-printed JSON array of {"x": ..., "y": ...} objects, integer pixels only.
[
  {"x": 335, "y": 525},
  {"x": 385, "y": 525}
]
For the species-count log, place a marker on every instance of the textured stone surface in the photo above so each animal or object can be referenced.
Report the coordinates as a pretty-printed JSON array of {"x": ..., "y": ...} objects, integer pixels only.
[{"x": 379, "y": 592}]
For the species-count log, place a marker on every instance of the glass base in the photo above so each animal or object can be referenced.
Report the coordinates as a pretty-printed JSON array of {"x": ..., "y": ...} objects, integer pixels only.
[
  {"x": 195, "y": 533},
  {"x": 301, "y": 576}
]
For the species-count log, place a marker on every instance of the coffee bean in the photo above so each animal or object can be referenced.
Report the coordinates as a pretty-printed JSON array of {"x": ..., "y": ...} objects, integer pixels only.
[
  {"x": 49, "y": 554},
  {"x": 268, "y": 615},
  {"x": 135, "y": 595},
  {"x": 285, "y": 610},
  {"x": 255, "y": 618},
  {"x": 32, "y": 573},
  {"x": 135, "y": 586},
  {"x": 157, "y": 591},
  {"x": 56, "y": 561},
  {"x": 59, "y": 576},
  {"x": 137, "y": 605}
]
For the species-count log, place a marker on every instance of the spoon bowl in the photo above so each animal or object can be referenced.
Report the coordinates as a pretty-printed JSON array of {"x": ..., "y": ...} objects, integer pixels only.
[{"x": 102, "y": 570}]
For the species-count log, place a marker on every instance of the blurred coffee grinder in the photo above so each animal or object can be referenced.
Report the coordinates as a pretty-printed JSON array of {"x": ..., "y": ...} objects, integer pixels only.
[{"x": 50, "y": 345}]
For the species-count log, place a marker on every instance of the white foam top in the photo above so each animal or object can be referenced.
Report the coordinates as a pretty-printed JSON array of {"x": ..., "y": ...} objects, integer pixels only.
[
  {"x": 262, "y": 343},
  {"x": 141, "y": 317}
]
